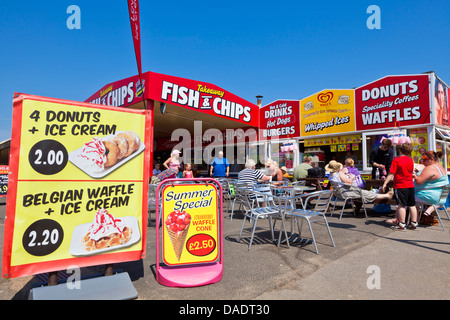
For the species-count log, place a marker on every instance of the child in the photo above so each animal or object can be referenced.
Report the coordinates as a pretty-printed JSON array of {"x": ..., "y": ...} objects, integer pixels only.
[
  {"x": 187, "y": 173},
  {"x": 402, "y": 169}
]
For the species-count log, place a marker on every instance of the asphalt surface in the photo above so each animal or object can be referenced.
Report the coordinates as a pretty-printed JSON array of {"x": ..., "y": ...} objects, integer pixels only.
[{"x": 370, "y": 262}]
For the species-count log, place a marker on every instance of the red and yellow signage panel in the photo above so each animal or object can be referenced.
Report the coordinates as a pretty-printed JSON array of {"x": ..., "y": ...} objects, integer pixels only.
[
  {"x": 327, "y": 112},
  {"x": 190, "y": 223},
  {"x": 79, "y": 176}
]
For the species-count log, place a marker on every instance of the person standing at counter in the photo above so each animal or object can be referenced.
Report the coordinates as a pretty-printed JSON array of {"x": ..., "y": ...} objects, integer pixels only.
[
  {"x": 381, "y": 158},
  {"x": 220, "y": 167},
  {"x": 402, "y": 172}
]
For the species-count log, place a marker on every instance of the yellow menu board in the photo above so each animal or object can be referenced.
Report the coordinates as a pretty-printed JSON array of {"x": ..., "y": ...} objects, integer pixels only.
[{"x": 78, "y": 186}]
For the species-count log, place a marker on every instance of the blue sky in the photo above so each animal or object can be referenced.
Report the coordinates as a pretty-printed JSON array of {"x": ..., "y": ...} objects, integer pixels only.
[{"x": 279, "y": 49}]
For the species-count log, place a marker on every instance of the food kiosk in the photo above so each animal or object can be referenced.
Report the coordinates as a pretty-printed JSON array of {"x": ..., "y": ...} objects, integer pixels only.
[
  {"x": 196, "y": 117},
  {"x": 334, "y": 124}
]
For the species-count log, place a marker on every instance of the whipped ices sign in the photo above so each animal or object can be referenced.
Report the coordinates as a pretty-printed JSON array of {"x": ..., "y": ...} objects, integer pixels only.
[{"x": 402, "y": 99}]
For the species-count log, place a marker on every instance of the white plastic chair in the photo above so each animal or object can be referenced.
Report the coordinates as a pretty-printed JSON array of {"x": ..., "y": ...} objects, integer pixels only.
[
  {"x": 437, "y": 207},
  {"x": 322, "y": 202}
]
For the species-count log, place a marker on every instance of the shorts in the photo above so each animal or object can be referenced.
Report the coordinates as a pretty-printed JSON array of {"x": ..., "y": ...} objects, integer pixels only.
[{"x": 405, "y": 197}]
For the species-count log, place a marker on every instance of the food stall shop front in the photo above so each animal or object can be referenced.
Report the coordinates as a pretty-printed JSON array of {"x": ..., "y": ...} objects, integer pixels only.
[
  {"x": 279, "y": 132},
  {"x": 334, "y": 124},
  {"x": 198, "y": 118}
]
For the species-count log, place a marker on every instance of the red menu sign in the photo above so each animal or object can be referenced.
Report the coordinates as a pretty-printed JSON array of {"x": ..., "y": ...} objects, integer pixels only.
[
  {"x": 391, "y": 101},
  {"x": 280, "y": 119}
]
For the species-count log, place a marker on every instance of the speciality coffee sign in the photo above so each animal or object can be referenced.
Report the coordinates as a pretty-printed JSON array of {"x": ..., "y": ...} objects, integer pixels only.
[
  {"x": 391, "y": 101},
  {"x": 279, "y": 120}
]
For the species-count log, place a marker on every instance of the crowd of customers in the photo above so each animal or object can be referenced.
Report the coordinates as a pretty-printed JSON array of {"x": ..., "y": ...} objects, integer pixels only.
[{"x": 412, "y": 183}]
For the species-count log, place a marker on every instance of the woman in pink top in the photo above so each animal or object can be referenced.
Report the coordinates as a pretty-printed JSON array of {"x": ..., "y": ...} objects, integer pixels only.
[{"x": 173, "y": 162}]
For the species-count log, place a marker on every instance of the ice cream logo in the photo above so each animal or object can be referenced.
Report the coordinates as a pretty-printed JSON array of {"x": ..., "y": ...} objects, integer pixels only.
[
  {"x": 177, "y": 226},
  {"x": 325, "y": 97}
]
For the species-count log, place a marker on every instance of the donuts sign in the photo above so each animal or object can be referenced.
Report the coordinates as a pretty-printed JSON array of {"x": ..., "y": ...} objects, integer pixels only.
[
  {"x": 78, "y": 180},
  {"x": 393, "y": 99}
]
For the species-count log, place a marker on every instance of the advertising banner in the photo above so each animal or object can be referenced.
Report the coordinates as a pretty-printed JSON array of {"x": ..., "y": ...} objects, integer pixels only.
[
  {"x": 441, "y": 102},
  {"x": 328, "y": 112},
  {"x": 190, "y": 223},
  {"x": 204, "y": 97},
  {"x": 280, "y": 120},
  {"x": 4, "y": 170},
  {"x": 133, "y": 10},
  {"x": 78, "y": 185},
  {"x": 122, "y": 93},
  {"x": 393, "y": 101}
]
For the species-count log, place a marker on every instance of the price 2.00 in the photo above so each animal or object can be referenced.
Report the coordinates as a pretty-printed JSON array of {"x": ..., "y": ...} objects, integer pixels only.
[{"x": 52, "y": 157}]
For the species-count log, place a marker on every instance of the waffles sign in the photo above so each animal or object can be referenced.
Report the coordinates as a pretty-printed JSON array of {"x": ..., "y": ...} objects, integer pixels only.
[
  {"x": 394, "y": 99},
  {"x": 190, "y": 222}
]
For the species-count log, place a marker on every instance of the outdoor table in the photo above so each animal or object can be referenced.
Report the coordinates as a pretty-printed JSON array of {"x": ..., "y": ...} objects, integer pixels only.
[
  {"x": 318, "y": 182},
  {"x": 289, "y": 196}
]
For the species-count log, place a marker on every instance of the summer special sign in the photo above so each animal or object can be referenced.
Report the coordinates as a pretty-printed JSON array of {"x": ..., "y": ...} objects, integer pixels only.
[
  {"x": 393, "y": 101},
  {"x": 190, "y": 223},
  {"x": 78, "y": 180},
  {"x": 327, "y": 112}
]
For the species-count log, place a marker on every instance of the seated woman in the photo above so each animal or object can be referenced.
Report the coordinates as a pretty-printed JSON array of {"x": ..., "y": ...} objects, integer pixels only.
[
  {"x": 339, "y": 175},
  {"x": 428, "y": 183}
]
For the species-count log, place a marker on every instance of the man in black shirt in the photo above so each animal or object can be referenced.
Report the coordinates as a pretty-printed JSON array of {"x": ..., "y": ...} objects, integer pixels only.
[{"x": 381, "y": 157}]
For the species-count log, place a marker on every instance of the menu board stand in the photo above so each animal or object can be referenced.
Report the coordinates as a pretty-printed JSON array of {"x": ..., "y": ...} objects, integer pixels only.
[
  {"x": 200, "y": 260},
  {"x": 113, "y": 287}
]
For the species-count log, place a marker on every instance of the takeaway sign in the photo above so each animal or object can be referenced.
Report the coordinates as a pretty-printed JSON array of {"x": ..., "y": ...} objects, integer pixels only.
[{"x": 391, "y": 101}]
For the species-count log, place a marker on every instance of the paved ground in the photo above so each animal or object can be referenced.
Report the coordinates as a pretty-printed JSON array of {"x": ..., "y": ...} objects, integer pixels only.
[{"x": 370, "y": 261}]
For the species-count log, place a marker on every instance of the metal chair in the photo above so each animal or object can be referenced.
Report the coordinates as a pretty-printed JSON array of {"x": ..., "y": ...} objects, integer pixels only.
[
  {"x": 442, "y": 199},
  {"x": 151, "y": 201},
  {"x": 346, "y": 198},
  {"x": 322, "y": 202},
  {"x": 233, "y": 185},
  {"x": 258, "y": 205}
]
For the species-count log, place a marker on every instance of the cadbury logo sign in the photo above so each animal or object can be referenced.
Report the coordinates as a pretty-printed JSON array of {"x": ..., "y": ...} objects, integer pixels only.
[{"x": 204, "y": 99}]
